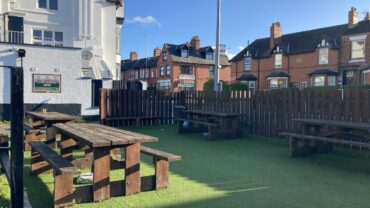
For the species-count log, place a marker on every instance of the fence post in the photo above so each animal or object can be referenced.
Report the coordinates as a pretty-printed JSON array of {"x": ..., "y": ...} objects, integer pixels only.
[
  {"x": 103, "y": 103},
  {"x": 17, "y": 115}
]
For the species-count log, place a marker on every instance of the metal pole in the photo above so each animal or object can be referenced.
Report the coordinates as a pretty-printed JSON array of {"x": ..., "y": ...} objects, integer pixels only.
[
  {"x": 217, "y": 64},
  {"x": 16, "y": 149}
]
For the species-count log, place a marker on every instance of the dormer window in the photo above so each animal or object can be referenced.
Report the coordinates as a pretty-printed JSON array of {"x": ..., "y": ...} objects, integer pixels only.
[
  {"x": 165, "y": 56},
  {"x": 184, "y": 53},
  {"x": 323, "y": 56},
  {"x": 209, "y": 55},
  {"x": 278, "y": 61}
]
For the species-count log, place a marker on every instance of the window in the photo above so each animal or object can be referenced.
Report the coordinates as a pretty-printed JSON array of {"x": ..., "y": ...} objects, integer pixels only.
[
  {"x": 53, "y": 4},
  {"x": 164, "y": 85},
  {"x": 186, "y": 70},
  {"x": 184, "y": 53},
  {"x": 323, "y": 55},
  {"x": 59, "y": 39},
  {"x": 303, "y": 85},
  {"x": 136, "y": 75},
  {"x": 147, "y": 73},
  {"x": 349, "y": 78},
  {"x": 168, "y": 71},
  {"x": 162, "y": 71},
  {"x": 42, "y": 4},
  {"x": 278, "y": 61},
  {"x": 211, "y": 71},
  {"x": 358, "y": 49},
  {"x": 278, "y": 83},
  {"x": 165, "y": 56},
  {"x": 209, "y": 55},
  {"x": 331, "y": 81},
  {"x": 48, "y": 38},
  {"x": 37, "y": 37},
  {"x": 247, "y": 63},
  {"x": 319, "y": 81}
]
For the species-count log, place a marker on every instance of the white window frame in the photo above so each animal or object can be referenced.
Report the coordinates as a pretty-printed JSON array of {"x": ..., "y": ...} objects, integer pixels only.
[
  {"x": 161, "y": 72},
  {"x": 247, "y": 67},
  {"x": 184, "y": 52},
  {"x": 362, "y": 58},
  {"x": 323, "y": 53},
  {"x": 47, "y": 5},
  {"x": 332, "y": 80},
  {"x": 315, "y": 84},
  {"x": 278, "y": 80},
  {"x": 278, "y": 64},
  {"x": 209, "y": 55},
  {"x": 168, "y": 70},
  {"x": 165, "y": 56},
  {"x": 51, "y": 41}
]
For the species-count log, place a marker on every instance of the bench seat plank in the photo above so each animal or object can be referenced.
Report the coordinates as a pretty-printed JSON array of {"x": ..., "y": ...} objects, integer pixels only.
[
  {"x": 198, "y": 122},
  {"x": 131, "y": 118},
  {"x": 326, "y": 139},
  {"x": 160, "y": 154},
  {"x": 56, "y": 161}
]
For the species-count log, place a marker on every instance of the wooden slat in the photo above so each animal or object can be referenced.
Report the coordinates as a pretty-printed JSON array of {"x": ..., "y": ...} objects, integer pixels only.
[
  {"x": 54, "y": 159},
  {"x": 159, "y": 154},
  {"x": 342, "y": 124},
  {"x": 87, "y": 138},
  {"x": 51, "y": 116}
]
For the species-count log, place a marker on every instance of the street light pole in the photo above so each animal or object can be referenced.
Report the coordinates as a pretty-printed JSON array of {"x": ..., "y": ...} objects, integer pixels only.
[{"x": 217, "y": 86}]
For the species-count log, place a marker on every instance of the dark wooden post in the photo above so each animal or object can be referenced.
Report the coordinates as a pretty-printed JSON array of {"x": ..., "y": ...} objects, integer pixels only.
[
  {"x": 17, "y": 115},
  {"x": 103, "y": 104}
]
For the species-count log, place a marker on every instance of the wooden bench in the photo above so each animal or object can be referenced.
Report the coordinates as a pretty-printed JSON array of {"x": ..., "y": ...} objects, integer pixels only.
[
  {"x": 212, "y": 127},
  {"x": 44, "y": 158},
  {"x": 321, "y": 144},
  {"x": 135, "y": 119},
  {"x": 32, "y": 134},
  {"x": 161, "y": 162}
]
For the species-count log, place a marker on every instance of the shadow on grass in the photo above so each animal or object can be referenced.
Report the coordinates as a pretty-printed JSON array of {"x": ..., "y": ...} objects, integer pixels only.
[
  {"x": 38, "y": 192},
  {"x": 260, "y": 165}
]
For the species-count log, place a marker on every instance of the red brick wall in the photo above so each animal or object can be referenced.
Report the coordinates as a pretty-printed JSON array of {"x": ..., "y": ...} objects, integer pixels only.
[{"x": 300, "y": 66}]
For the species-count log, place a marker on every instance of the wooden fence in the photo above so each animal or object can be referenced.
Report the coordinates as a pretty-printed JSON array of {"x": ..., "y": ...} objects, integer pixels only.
[{"x": 265, "y": 113}]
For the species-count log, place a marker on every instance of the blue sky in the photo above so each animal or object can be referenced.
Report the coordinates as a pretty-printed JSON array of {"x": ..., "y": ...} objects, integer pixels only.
[{"x": 176, "y": 21}]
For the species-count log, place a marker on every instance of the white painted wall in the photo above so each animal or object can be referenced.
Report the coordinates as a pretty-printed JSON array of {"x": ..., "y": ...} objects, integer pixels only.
[
  {"x": 88, "y": 24},
  {"x": 45, "y": 59}
]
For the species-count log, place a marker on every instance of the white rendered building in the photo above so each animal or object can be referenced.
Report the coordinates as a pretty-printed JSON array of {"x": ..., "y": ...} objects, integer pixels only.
[{"x": 72, "y": 50}]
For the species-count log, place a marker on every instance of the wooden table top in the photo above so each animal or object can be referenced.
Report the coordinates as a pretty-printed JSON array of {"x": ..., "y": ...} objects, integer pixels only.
[
  {"x": 96, "y": 135},
  {"x": 51, "y": 116},
  {"x": 342, "y": 124},
  {"x": 212, "y": 113}
]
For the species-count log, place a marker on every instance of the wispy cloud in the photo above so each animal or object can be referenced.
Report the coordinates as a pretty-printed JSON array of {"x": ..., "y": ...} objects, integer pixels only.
[
  {"x": 241, "y": 48},
  {"x": 148, "y": 20}
]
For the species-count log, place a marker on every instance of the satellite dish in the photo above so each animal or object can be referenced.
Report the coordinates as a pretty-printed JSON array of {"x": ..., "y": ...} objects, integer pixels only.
[{"x": 87, "y": 55}]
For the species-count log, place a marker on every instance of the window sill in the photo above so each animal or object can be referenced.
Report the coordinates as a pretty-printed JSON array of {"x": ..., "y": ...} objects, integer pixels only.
[{"x": 356, "y": 60}]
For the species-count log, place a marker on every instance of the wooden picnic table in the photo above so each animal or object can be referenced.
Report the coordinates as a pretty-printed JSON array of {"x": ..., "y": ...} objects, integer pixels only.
[
  {"x": 100, "y": 141},
  {"x": 220, "y": 124},
  {"x": 320, "y": 135},
  {"x": 40, "y": 120}
]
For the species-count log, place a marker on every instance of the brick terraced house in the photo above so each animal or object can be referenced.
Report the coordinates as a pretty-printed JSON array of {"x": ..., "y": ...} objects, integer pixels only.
[
  {"x": 177, "y": 67},
  {"x": 321, "y": 57}
]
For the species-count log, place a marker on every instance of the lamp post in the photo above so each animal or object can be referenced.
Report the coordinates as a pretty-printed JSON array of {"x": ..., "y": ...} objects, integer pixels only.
[
  {"x": 16, "y": 149},
  {"x": 217, "y": 86}
]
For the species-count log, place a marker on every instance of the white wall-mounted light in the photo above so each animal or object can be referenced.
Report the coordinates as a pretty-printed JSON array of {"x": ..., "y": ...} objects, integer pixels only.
[
  {"x": 56, "y": 70},
  {"x": 33, "y": 69}
]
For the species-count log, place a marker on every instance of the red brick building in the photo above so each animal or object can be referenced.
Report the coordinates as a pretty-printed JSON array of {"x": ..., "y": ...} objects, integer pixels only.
[
  {"x": 320, "y": 57},
  {"x": 178, "y": 67}
]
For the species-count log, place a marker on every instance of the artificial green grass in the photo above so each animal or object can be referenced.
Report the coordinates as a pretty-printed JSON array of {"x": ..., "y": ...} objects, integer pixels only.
[{"x": 247, "y": 172}]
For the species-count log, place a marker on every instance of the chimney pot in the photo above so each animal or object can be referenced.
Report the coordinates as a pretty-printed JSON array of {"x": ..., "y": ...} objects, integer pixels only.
[
  {"x": 275, "y": 34},
  {"x": 195, "y": 42},
  {"x": 352, "y": 17},
  {"x": 157, "y": 52},
  {"x": 133, "y": 56},
  {"x": 367, "y": 16}
]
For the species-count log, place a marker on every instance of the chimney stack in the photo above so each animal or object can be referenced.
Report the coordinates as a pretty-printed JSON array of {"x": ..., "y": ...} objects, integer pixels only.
[
  {"x": 352, "y": 17},
  {"x": 195, "y": 42},
  {"x": 367, "y": 16},
  {"x": 275, "y": 34},
  {"x": 133, "y": 56},
  {"x": 157, "y": 52}
]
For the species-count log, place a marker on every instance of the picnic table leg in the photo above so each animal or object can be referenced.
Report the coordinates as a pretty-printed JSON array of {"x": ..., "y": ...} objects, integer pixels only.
[
  {"x": 51, "y": 134},
  {"x": 29, "y": 137},
  {"x": 161, "y": 173},
  {"x": 101, "y": 169},
  {"x": 63, "y": 190},
  {"x": 293, "y": 144},
  {"x": 38, "y": 165},
  {"x": 67, "y": 145},
  {"x": 132, "y": 169}
]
